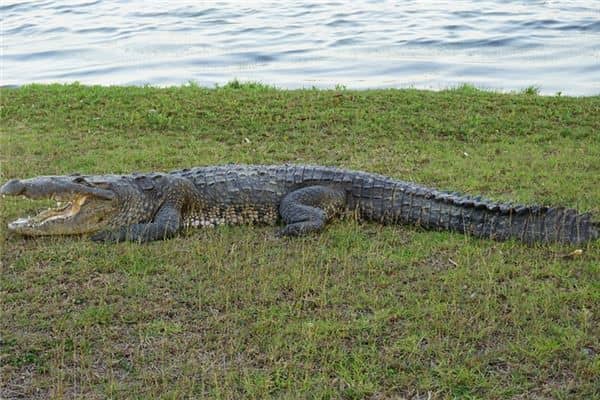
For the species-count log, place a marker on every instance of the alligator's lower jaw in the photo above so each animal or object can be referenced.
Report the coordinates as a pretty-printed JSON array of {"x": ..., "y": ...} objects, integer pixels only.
[
  {"x": 24, "y": 226},
  {"x": 34, "y": 225},
  {"x": 19, "y": 223},
  {"x": 33, "y": 222}
]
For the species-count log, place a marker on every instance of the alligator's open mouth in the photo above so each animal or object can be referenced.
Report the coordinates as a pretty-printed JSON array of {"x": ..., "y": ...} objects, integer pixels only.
[
  {"x": 61, "y": 213},
  {"x": 83, "y": 206}
]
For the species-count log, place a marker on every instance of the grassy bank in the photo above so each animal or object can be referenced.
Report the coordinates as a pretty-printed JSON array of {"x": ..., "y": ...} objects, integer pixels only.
[{"x": 360, "y": 311}]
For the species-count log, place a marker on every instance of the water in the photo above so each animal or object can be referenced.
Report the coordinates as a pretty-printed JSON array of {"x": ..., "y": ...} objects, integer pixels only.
[{"x": 502, "y": 45}]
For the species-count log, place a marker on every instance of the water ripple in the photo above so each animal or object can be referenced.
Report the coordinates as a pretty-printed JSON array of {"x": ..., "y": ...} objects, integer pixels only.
[
  {"x": 43, "y": 55},
  {"x": 436, "y": 44}
]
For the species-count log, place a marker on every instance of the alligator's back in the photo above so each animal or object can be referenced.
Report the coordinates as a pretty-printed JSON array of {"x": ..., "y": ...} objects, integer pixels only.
[
  {"x": 379, "y": 198},
  {"x": 286, "y": 176}
]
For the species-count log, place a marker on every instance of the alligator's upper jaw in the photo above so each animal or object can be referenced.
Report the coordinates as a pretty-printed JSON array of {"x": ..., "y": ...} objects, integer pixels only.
[{"x": 58, "y": 187}]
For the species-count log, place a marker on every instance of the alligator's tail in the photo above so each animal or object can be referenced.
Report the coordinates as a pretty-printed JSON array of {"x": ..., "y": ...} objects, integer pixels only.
[{"x": 482, "y": 217}]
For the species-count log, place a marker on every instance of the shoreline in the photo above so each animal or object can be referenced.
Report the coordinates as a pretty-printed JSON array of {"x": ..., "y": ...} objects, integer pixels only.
[{"x": 533, "y": 89}]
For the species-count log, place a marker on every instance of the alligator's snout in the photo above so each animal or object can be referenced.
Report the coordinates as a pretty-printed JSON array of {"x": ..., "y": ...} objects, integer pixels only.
[
  {"x": 14, "y": 187},
  {"x": 57, "y": 187}
]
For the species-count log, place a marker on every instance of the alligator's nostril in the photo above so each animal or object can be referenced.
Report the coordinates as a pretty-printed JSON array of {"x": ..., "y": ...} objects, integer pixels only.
[{"x": 14, "y": 187}]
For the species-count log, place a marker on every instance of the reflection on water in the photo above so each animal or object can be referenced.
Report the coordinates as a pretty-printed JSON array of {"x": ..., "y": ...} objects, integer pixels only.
[{"x": 507, "y": 45}]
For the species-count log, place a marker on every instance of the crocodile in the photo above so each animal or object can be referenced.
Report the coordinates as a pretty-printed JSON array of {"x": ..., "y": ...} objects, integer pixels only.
[{"x": 155, "y": 206}]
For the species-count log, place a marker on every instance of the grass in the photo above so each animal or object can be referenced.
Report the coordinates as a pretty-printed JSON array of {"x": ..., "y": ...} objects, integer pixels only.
[{"x": 360, "y": 311}]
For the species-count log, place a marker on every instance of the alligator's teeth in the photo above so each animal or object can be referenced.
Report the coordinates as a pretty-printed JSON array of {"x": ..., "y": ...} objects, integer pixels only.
[{"x": 19, "y": 222}]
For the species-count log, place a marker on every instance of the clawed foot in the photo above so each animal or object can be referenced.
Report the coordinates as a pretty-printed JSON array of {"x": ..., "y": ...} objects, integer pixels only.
[
  {"x": 109, "y": 236},
  {"x": 299, "y": 229},
  {"x": 284, "y": 232}
]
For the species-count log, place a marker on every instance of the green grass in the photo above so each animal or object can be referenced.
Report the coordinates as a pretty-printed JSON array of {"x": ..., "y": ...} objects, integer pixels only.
[{"x": 359, "y": 311}]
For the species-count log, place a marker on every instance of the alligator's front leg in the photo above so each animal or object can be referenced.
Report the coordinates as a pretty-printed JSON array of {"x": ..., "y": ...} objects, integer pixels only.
[
  {"x": 307, "y": 209},
  {"x": 165, "y": 224}
]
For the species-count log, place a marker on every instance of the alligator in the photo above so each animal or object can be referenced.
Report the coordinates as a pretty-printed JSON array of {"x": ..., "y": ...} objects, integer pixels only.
[{"x": 155, "y": 206}]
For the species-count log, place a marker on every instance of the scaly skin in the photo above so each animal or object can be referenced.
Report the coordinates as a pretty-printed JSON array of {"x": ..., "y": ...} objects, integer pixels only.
[{"x": 146, "y": 207}]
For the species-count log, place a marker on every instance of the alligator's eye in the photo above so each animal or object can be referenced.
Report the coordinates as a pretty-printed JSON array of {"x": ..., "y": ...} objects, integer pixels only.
[
  {"x": 144, "y": 182},
  {"x": 81, "y": 180}
]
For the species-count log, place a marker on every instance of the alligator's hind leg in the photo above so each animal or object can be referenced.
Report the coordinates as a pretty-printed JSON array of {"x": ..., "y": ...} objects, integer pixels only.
[{"x": 307, "y": 209}]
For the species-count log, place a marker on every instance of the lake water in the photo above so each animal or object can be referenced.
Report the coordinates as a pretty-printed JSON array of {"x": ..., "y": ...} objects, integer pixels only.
[{"x": 504, "y": 45}]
